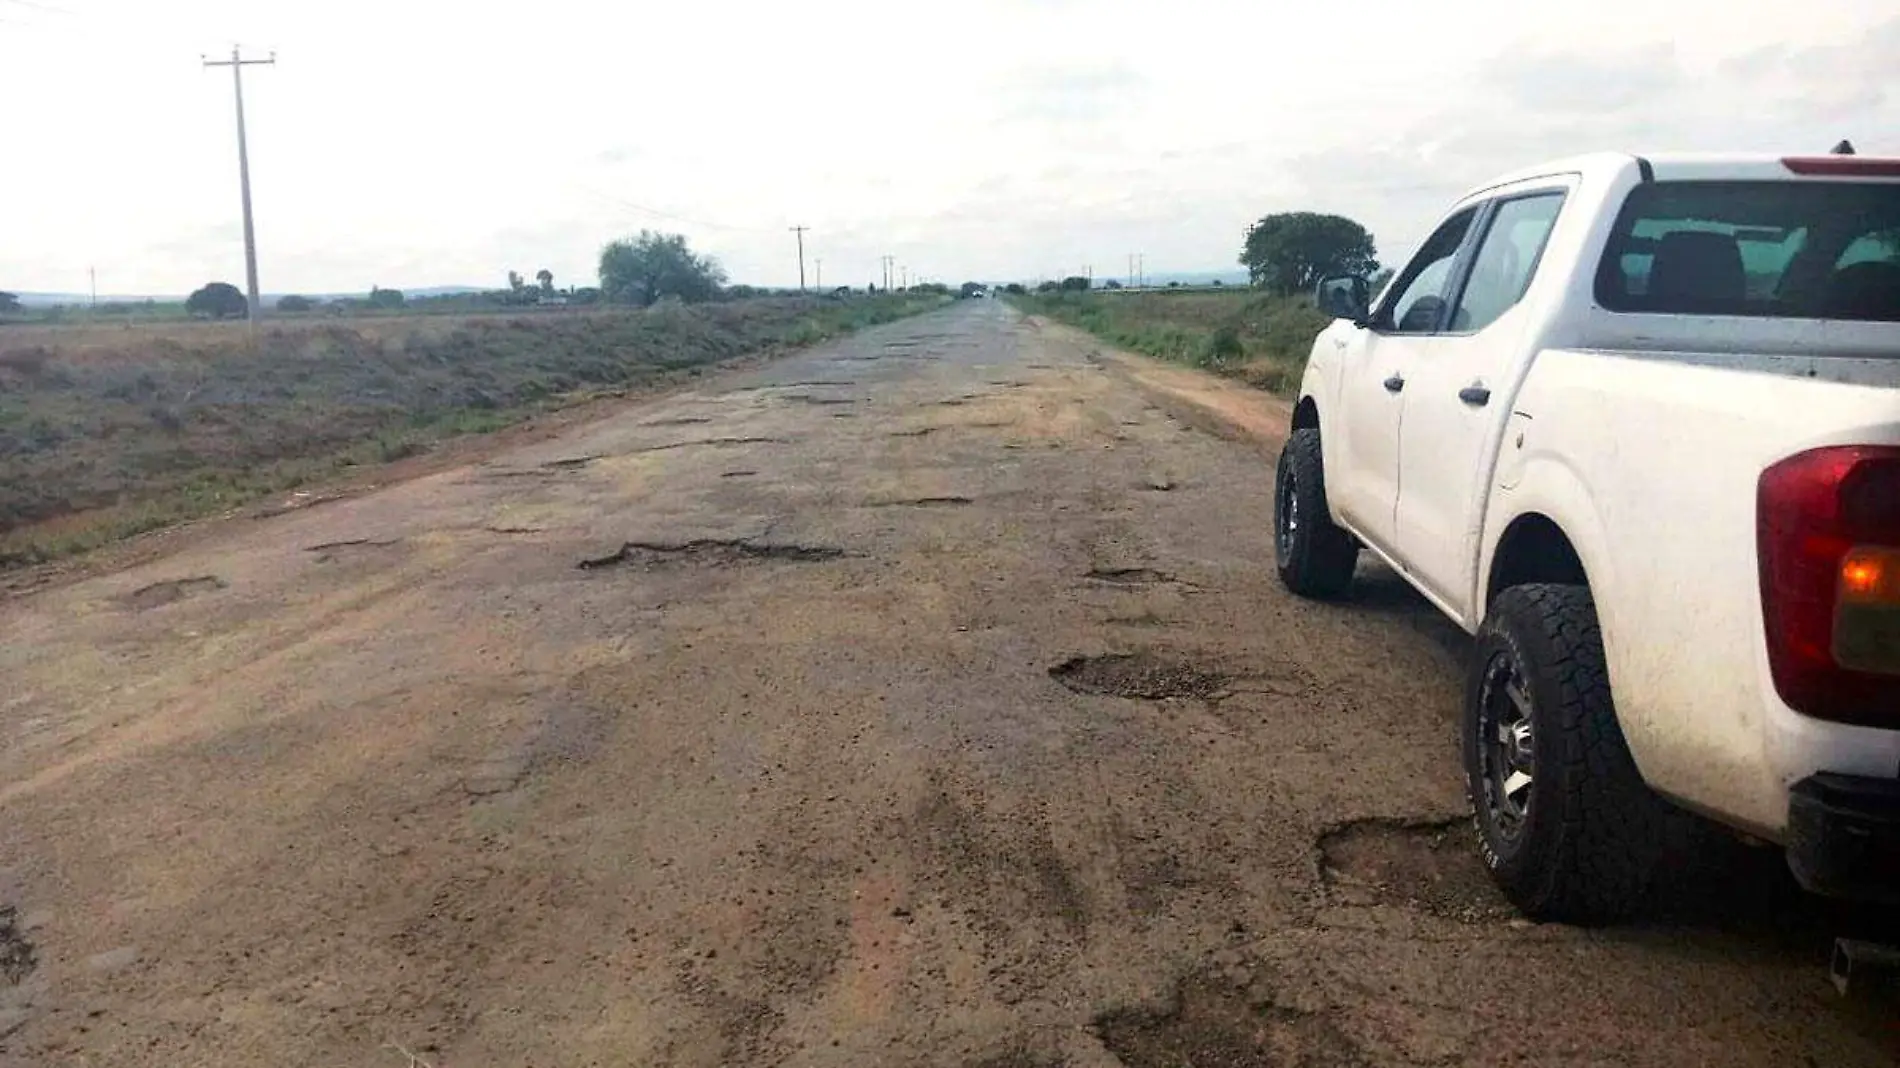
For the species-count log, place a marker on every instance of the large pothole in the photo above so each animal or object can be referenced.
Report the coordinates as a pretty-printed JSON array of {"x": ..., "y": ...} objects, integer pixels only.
[
  {"x": 710, "y": 552},
  {"x": 1433, "y": 866},
  {"x": 1138, "y": 675},
  {"x": 1217, "y": 1024}
]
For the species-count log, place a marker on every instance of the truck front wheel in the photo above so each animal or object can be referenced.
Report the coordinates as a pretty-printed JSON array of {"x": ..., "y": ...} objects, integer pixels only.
[
  {"x": 1565, "y": 822},
  {"x": 1315, "y": 557}
]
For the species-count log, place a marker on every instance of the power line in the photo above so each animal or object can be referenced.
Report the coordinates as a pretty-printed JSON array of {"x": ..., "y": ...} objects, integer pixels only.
[
  {"x": 237, "y": 63},
  {"x": 800, "y": 231}
]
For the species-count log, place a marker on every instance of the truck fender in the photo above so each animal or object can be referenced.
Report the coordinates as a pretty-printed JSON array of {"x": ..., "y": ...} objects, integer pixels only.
[{"x": 1549, "y": 493}]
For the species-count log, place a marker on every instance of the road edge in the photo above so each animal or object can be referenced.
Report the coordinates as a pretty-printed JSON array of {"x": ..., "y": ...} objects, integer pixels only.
[{"x": 1207, "y": 402}]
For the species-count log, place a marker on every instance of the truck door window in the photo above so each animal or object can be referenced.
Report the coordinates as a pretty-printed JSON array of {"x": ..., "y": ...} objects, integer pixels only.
[
  {"x": 1506, "y": 260},
  {"x": 1416, "y": 304}
]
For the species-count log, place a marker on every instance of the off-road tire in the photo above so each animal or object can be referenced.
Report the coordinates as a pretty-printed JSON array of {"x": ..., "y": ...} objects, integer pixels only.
[
  {"x": 1315, "y": 558},
  {"x": 1586, "y": 848}
]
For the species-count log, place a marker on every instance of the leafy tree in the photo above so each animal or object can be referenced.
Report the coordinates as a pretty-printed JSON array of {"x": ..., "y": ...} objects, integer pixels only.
[
  {"x": 515, "y": 281},
  {"x": 9, "y": 302},
  {"x": 294, "y": 303},
  {"x": 1380, "y": 279},
  {"x": 387, "y": 299},
  {"x": 1290, "y": 252},
  {"x": 218, "y": 300},
  {"x": 642, "y": 269},
  {"x": 1015, "y": 289},
  {"x": 1075, "y": 283},
  {"x": 1111, "y": 284},
  {"x": 1048, "y": 287},
  {"x": 546, "y": 278}
]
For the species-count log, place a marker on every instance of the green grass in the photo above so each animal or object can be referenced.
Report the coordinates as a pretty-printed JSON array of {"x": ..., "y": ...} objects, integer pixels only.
[
  {"x": 111, "y": 431},
  {"x": 1245, "y": 334}
]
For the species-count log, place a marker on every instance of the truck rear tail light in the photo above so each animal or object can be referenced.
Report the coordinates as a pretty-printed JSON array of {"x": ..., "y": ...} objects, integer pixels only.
[{"x": 1828, "y": 532}]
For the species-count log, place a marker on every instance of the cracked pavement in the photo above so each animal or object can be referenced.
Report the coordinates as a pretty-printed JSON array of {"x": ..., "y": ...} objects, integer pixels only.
[{"x": 923, "y": 698}]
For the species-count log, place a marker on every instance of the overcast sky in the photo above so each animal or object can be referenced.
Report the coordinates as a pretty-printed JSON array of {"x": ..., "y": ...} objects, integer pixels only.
[{"x": 416, "y": 142}]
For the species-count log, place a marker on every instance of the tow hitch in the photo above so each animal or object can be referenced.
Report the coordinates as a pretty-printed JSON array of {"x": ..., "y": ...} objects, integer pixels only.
[{"x": 1860, "y": 967}]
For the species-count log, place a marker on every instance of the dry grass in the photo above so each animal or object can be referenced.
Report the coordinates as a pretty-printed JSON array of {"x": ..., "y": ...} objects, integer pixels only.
[
  {"x": 111, "y": 430},
  {"x": 1260, "y": 339}
]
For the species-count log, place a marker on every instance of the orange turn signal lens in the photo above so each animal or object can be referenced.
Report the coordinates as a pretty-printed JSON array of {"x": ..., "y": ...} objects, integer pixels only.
[{"x": 1871, "y": 575}]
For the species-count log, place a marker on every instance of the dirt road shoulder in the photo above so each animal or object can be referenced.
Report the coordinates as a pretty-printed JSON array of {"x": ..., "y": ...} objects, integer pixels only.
[{"x": 1216, "y": 405}]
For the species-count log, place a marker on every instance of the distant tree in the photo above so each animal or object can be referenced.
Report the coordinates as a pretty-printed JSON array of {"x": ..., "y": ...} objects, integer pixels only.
[
  {"x": 294, "y": 303},
  {"x": 642, "y": 269},
  {"x": 546, "y": 278},
  {"x": 9, "y": 302},
  {"x": 1048, "y": 287},
  {"x": 871, "y": 289},
  {"x": 842, "y": 291},
  {"x": 1015, "y": 289},
  {"x": 387, "y": 299},
  {"x": 218, "y": 300},
  {"x": 1290, "y": 252},
  {"x": 1380, "y": 279},
  {"x": 1075, "y": 283},
  {"x": 515, "y": 282},
  {"x": 1174, "y": 285},
  {"x": 1111, "y": 284}
]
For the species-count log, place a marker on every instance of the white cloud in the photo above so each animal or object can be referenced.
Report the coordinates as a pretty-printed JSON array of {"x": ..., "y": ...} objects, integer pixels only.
[{"x": 421, "y": 142}]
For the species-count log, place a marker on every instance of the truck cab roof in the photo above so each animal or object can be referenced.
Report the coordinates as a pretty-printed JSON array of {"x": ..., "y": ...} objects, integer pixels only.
[{"x": 1708, "y": 166}]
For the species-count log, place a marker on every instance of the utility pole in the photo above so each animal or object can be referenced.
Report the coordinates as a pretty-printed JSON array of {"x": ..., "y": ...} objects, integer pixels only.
[
  {"x": 819, "y": 282},
  {"x": 800, "y": 231},
  {"x": 1131, "y": 270},
  {"x": 237, "y": 63},
  {"x": 1141, "y": 269},
  {"x": 92, "y": 275}
]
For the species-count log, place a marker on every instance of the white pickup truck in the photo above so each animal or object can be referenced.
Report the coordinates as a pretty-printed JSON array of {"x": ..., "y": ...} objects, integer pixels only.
[{"x": 1635, "y": 424}]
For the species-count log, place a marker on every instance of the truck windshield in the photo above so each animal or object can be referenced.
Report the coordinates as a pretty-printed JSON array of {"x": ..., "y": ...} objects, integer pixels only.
[{"x": 1810, "y": 250}]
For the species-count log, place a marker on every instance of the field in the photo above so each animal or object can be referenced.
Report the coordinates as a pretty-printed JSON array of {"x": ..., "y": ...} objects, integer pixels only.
[
  {"x": 110, "y": 429},
  {"x": 1244, "y": 334}
]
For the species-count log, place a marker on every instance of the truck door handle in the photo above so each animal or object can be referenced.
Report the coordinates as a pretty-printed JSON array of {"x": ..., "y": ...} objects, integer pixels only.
[
  {"x": 1394, "y": 384},
  {"x": 1476, "y": 396}
]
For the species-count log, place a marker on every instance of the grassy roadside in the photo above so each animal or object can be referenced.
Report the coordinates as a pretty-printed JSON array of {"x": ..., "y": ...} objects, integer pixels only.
[
  {"x": 111, "y": 431},
  {"x": 1244, "y": 334}
]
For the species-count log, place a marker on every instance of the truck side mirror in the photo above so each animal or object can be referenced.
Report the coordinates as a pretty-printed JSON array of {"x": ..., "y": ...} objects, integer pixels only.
[{"x": 1344, "y": 296}]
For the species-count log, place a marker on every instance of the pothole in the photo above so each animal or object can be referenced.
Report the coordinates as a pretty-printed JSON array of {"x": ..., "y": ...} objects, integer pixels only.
[
  {"x": 332, "y": 550},
  {"x": 171, "y": 591},
  {"x": 570, "y": 463},
  {"x": 1221, "y": 1024},
  {"x": 1128, "y": 576},
  {"x": 917, "y": 433},
  {"x": 922, "y": 502},
  {"x": 18, "y": 958},
  {"x": 737, "y": 474},
  {"x": 1138, "y": 675},
  {"x": 710, "y": 552},
  {"x": 701, "y": 443},
  {"x": 1432, "y": 866}
]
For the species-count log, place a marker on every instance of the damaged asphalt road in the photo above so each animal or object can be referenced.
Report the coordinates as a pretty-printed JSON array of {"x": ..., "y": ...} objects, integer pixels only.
[{"x": 972, "y": 729}]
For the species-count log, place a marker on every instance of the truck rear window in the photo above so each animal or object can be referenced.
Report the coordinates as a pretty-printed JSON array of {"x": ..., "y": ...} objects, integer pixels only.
[{"x": 1810, "y": 250}]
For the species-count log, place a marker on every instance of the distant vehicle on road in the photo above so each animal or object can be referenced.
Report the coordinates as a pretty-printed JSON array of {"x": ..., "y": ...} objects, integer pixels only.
[{"x": 1635, "y": 424}]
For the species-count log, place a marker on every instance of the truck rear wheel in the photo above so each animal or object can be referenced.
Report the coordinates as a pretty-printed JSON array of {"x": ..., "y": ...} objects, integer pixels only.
[
  {"x": 1315, "y": 557},
  {"x": 1565, "y": 822}
]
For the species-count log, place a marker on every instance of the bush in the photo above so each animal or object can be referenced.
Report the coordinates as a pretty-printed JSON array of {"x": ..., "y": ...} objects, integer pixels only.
[
  {"x": 295, "y": 304},
  {"x": 1220, "y": 347}
]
